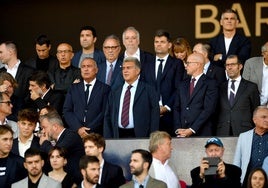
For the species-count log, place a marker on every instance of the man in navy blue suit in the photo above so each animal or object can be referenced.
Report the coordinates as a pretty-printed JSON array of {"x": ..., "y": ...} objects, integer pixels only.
[
  {"x": 85, "y": 102},
  {"x": 110, "y": 69},
  {"x": 195, "y": 100},
  {"x": 229, "y": 42},
  {"x": 139, "y": 115},
  {"x": 165, "y": 80},
  {"x": 88, "y": 38},
  {"x": 53, "y": 130}
]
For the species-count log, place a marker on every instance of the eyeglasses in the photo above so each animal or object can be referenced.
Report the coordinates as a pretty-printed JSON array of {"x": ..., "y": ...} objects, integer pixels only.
[
  {"x": 231, "y": 65},
  {"x": 110, "y": 47},
  {"x": 7, "y": 102},
  {"x": 188, "y": 63},
  {"x": 64, "y": 51}
]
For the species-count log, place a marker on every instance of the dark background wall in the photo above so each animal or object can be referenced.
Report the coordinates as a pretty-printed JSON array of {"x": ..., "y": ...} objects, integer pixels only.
[{"x": 21, "y": 21}]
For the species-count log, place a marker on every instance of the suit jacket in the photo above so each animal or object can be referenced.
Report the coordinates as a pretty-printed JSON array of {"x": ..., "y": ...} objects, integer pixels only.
[
  {"x": 112, "y": 176},
  {"x": 253, "y": 71},
  {"x": 20, "y": 93},
  {"x": 34, "y": 144},
  {"x": 240, "y": 46},
  {"x": 73, "y": 144},
  {"x": 238, "y": 116},
  {"x": 217, "y": 73},
  {"x": 44, "y": 182},
  {"x": 195, "y": 111},
  {"x": 152, "y": 183},
  {"x": 97, "y": 186},
  {"x": 232, "y": 179},
  {"x": 243, "y": 152},
  {"x": 15, "y": 170},
  {"x": 117, "y": 78},
  {"x": 145, "y": 112},
  {"x": 52, "y": 97},
  {"x": 98, "y": 56},
  {"x": 50, "y": 63},
  {"x": 172, "y": 75},
  {"x": 75, "y": 107}
]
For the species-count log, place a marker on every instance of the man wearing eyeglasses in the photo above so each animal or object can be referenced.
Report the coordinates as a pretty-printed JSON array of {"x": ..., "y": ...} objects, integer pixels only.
[
  {"x": 110, "y": 69},
  {"x": 195, "y": 100},
  {"x": 238, "y": 99},
  {"x": 6, "y": 110},
  {"x": 65, "y": 74}
]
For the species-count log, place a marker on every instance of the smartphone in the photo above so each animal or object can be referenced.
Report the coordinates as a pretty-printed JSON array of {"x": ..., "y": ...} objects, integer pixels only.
[{"x": 213, "y": 165}]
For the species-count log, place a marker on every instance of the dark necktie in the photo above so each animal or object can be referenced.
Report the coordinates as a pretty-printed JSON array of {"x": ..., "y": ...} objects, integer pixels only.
[
  {"x": 141, "y": 186},
  {"x": 87, "y": 92},
  {"x": 159, "y": 75},
  {"x": 110, "y": 73},
  {"x": 125, "y": 109},
  {"x": 192, "y": 86},
  {"x": 232, "y": 93}
]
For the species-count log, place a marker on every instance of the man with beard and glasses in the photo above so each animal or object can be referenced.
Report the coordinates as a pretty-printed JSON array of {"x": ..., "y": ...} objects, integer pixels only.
[
  {"x": 33, "y": 163},
  {"x": 140, "y": 163},
  {"x": 90, "y": 170}
]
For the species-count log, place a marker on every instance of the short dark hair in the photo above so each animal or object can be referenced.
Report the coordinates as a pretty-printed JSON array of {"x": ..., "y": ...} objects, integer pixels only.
[
  {"x": 233, "y": 57},
  {"x": 84, "y": 160},
  {"x": 29, "y": 115},
  {"x": 96, "y": 138},
  {"x": 32, "y": 152},
  {"x": 11, "y": 45},
  {"x": 90, "y": 28},
  {"x": 41, "y": 77},
  {"x": 5, "y": 128},
  {"x": 163, "y": 33},
  {"x": 62, "y": 151},
  {"x": 146, "y": 156},
  {"x": 42, "y": 39}
]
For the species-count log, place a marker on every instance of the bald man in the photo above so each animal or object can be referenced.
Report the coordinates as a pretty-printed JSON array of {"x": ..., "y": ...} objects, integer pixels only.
[
  {"x": 65, "y": 74},
  {"x": 195, "y": 100}
]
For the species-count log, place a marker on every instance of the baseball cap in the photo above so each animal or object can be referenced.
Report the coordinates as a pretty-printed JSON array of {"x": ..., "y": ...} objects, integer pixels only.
[{"x": 214, "y": 140}]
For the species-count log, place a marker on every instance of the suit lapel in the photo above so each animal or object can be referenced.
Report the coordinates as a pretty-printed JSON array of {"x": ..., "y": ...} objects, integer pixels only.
[
  {"x": 81, "y": 89},
  {"x": 102, "y": 72},
  {"x": 94, "y": 92},
  {"x": 117, "y": 70},
  {"x": 241, "y": 89},
  {"x": 43, "y": 182},
  {"x": 258, "y": 68},
  {"x": 167, "y": 67},
  {"x": 198, "y": 85},
  {"x": 139, "y": 90}
]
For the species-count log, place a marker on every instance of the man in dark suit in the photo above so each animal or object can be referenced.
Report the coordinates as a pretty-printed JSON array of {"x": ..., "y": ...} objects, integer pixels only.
[
  {"x": 164, "y": 73},
  {"x": 11, "y": 166},
  {"x": 41, "y": 94},
  {"x": 53, "y": 130},
  {"x": 210, "y": 69},
  {"x": 20, "y": 71},
  {"x": 229, "y": 41},
  {"x": 90, "y": 170},
  {"x": 132, "y": 110},
  {"x": 43, "y": 61},
  {"x": 131, "y": 41},
  {"x": 195, "y": 100},
  {"x": 88, "y": 37},
  {"x": 140, "y": 164},
  {"x": 226, "y": 175},
  {"x": 27, "y": 120},
  {"x": 85, "y": 102},
  {"x": 110, "y": 69},
  {"x": 111, "y": 175},
  {"x": 236, "y": 105}
]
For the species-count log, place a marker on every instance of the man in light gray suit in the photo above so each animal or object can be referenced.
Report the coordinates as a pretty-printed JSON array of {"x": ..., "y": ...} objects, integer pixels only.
[
  {"x": 252, "y": 146},
  {"x": 256, "y": 70},
  {"x": 140, "y": 163},
  {"x": 33, "y": 163}
]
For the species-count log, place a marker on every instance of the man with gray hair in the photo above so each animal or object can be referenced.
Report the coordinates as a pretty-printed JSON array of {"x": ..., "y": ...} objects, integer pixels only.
[
  {"x": 53, "y": 129},
  {"x": 132, "y": 109},
  {"x": 256, "y": 70}
]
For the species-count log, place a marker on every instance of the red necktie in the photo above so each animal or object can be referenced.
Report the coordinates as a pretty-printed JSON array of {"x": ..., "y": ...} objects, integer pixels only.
[{"x": 192, "y": 86}]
